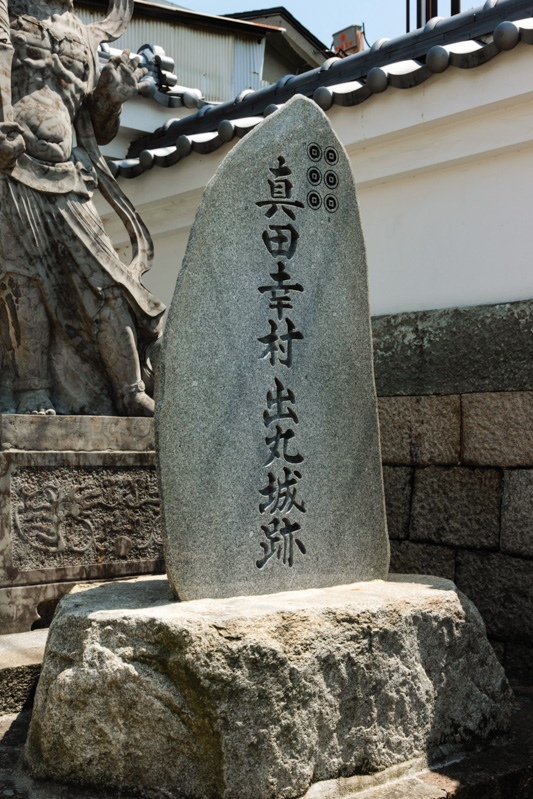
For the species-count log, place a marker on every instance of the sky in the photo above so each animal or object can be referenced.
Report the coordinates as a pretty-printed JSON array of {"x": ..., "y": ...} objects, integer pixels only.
[{"x": 381, "y": 18}]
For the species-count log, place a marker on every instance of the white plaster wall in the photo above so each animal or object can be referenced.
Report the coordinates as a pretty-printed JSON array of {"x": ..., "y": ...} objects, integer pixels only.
[
  {"x": 453, "y": 237},
  {"x": 443, "y": 173}
]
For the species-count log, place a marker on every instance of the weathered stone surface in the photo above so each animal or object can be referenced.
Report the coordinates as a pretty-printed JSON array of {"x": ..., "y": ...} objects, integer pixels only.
[
  {"x": 502, "y": 589},
  {"x": 398, "y": 483},
  {"x": 497, "y": 429},
  {"x": 517, "y": 513},
  {"x": 456, "y": 506},
  {"x": 519, "y": 661},
  {"x": 374, "y": 783},
  {"x": 20, "y": 664},
  {"x": 409, "y": 557},
  {"x": 209, "y": 697},
  {"x": 455, "y": 350},
  {"x": 499, "y": 650},
  {"x": 77, "y": 515},
  {"x": 17, "y": 687},
  {"x": 420, "y": 430},
  {"x": 267, "y": 434},
  {"x": 73, "y": 515},
  {"x": 76, "y": 433},
  {"x": 504, "y": 771},
  {"x": 20, "y": 605},
  {"x": 412, "y": 788}
]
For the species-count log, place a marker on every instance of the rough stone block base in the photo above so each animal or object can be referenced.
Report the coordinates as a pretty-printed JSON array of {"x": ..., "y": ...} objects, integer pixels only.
[{"x": 263, "y": 695}]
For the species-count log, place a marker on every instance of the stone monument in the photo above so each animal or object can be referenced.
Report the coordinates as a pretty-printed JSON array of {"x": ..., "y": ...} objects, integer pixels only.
[
  {"x": 78, "y": 330},
  {"x": 76, "y": 324},
  {"x": 279, "y": 694},
  {"x": 267, "y": 432}
]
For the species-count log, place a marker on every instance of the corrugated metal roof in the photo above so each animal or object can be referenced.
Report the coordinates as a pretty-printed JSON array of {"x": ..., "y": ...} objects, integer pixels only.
[
  {"x": 219, "y": 64},
  {"x": 248, "y": 60}
]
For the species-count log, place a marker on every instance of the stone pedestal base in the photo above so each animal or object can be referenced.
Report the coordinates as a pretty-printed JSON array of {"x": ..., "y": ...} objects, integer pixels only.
[
  {"x": 261, "y": 696},
  {"x": 78, "y": 501}
]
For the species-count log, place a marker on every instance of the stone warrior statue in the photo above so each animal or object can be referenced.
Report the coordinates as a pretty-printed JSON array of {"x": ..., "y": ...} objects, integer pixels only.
[{"x": 77, "y": 327}]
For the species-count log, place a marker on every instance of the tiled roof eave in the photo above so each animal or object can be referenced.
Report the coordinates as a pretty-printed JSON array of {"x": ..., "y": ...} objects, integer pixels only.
[{"x": 404, "y": 62}]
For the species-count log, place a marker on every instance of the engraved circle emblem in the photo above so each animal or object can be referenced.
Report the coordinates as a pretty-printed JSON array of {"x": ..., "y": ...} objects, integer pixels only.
[
  {"x": 314, "y": 200},
  {"x": 314, "y": 176},
  {"x": 331, "y": 155},
  {"x": 314, "y": 151},
  {"x": 331, "y": 203},
  {"x": 331, "y": 179}
]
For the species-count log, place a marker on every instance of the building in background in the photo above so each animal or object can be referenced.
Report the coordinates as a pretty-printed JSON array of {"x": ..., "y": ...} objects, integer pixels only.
[{"x": 221, "y": 56}]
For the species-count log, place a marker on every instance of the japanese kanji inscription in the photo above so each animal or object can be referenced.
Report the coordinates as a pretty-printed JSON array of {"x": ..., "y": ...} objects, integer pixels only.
[{"x": 269, "y": 462}]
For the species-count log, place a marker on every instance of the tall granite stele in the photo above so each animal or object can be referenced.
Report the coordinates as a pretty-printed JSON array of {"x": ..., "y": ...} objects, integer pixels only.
[
  {"x": 266, "y": 420},
  {"x": 271, "y": 483}
]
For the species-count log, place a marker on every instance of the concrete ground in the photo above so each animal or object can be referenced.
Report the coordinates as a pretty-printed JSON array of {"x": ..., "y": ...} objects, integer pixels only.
[{"x": 501, "y": 771}]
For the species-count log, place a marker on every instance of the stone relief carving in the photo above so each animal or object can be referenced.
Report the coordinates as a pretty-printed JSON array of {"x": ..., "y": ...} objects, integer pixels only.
[
  {"x": 78, "y": 330},
  {"x": 67, "y": 516}
]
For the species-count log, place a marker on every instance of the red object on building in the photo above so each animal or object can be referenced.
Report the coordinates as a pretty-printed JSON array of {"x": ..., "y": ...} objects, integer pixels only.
[{"x": 349, "y": 40}]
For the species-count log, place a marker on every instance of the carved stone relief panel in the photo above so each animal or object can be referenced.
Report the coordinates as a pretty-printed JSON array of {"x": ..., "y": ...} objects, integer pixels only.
[{"x": 80, "y": 516}]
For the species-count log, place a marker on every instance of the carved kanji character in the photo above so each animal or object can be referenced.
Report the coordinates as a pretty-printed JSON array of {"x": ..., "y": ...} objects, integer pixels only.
[
  {"x": 278, "y": 446},
  {"x": 281, "y": 170},
  {"x": 280, "y": 494},
  {"x": 280, "y": 191},
  {"x": 275, "y": 404},
  {"x": 276, "y": 344},
  {"x": 280, "y": 298},
  {"x": 285, "y": 205},
  {"x": 281, "y": 538},
  {"x": 281, "y": 242}
]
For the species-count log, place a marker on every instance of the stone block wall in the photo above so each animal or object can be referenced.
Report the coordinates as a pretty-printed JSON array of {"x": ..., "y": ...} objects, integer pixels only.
[{"x": 458, "y": 466}]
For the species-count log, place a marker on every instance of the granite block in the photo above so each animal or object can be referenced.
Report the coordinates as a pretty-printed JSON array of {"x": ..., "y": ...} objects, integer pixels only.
[
  {"x": 420, "y": 430},
  {"x": 497, "y": 429},
  {"x": 409, "y": 557},
  {"x": 457, "y": 506},
  {"x": 501, "y": 587},
  {"x": 209, "y": 697},
  {"x": 517, "y": 513},
  {"x": 266, "y": 419},
  {"x": 410, "y": 788},
  {"x": 455, "y": 350},
  {"x": 17, "y": 687},
  {"x": 398, "y": 483},
  {"x": 499, "y": 649},
  {"x": 76, "y": 433}
]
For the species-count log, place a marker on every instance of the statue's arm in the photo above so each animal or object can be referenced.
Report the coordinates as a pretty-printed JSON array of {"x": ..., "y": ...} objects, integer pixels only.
[{"x": 120, "y": 79}]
